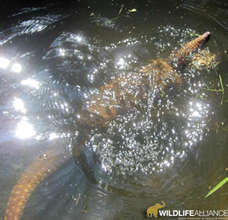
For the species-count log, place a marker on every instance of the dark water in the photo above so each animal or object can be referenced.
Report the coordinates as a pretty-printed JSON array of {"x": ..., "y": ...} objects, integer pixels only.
[{"x": 54, "y": 55}]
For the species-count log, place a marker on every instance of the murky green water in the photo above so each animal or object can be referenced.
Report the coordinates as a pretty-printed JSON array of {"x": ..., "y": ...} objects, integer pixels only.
[{"x": 172, "y": 149}]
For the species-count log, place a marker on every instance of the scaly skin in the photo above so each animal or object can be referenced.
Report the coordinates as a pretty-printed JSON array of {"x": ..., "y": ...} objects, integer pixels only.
[
  {"x": 112, "y": 99},
  {"x": 125, "y": 92},
  {"x": 189, "y": 48},
  {"x": 32, "y": 177}
]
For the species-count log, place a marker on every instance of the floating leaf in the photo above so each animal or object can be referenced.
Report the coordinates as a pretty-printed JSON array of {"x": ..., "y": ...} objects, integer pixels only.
[
  {"x": 218, "y": 186},
  {"x": 132, "y": 10}
]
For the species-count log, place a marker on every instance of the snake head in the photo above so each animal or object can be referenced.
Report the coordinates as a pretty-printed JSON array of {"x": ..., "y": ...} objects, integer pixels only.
[{"x": 179, "y": 57}]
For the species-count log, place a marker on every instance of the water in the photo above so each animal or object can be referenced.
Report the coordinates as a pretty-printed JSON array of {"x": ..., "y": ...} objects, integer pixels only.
[{"x": 54, "y": 56}]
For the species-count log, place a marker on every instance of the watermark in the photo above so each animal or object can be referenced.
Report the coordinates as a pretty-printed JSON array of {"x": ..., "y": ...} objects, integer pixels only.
[
  {"x": 152, "y": 211},
  {"x": 157, "y": 210}
]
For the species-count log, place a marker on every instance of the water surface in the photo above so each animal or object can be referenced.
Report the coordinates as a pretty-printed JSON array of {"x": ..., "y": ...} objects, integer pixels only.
[{"x": 53, "y": 56}]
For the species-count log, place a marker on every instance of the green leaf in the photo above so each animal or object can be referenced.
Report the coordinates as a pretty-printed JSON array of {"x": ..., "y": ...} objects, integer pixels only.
[
  {"x": 218, "y": 186},
  {"x": 132, "y": 10},
  {"x": 221, "y": 83}
]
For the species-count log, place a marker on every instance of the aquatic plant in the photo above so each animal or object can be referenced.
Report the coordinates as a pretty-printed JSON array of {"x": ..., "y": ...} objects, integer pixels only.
[
  {"x": 218, "y": 186},
  {"x": 221, "y": 90}
]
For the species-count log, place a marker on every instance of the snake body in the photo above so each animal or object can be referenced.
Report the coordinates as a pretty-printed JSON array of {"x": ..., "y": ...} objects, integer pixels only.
[
  {"x": 125, "y": 92},
  {"x": 111, "y": 99}
]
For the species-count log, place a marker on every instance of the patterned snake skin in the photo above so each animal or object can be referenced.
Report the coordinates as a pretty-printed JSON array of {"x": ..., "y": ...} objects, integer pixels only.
[{"x": 112, "y": 98}]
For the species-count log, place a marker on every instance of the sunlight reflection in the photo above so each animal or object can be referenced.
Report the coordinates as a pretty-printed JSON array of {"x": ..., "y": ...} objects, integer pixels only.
[
  {"x": 32, "y": 26},
  {"x": 195, "y": 114},
  {"x": 31, "y": 83},
  {"x": 53, "y": 136},
  {"x": 62, "y": 52},
  {"x": 18, "y": 105},
  {"x": 196, "y": 124},
  {"x": 91, "y": 77},
  {"x": 24, "y": 129},
  {"x": 4, "y": 63},
  {"x": 79, "y": 38},
  {"x": 16, "y": 67},
  {"x": 197, "y": 110},
  {"x": 121, "y": 63},
  {"x": 80, "y": 57}
]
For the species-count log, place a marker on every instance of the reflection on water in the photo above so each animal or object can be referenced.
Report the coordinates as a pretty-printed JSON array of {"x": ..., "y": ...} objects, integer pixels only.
[
  {"x": 31, "y": 83},
  {"x": 19, "y": 105},
  {"x": 24, "y": 129},
  {"x": 14, "y": 67},
  {"x": 216, "y": 11},
  {"x": 4, "y": 63},
  {"x": 169, "y": 149}
]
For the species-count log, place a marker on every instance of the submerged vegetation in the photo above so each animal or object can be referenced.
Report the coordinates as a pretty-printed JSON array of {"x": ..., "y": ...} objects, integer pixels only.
[{"x": 221, "y": 90}]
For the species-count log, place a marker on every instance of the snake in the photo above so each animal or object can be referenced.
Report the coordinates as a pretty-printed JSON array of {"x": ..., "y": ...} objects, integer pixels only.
[{"x": 111, "y": 99}]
